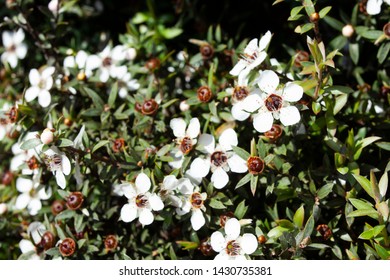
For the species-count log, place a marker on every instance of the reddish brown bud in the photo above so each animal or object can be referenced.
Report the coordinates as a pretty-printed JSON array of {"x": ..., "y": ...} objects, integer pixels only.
[
  {"x": 205, "y": 248},
  {"x": 111, "y": 242},
  {"x": 149, "y": 107},
  {"x": 67, "y": 247},
  {"x": 300, "y": 57},
  {"x": 255, "y": 165},
  {"x": 325, "y": 231},
  {"x": 386, "y": 29},
  {"x": 207, "y": 51},
  {"x": 68, "y": 122},
  {"x": 204, "y": 94},
  {"x": 57, "y": 207},
  {"x": 261, "y": 239},
  {"x": 7, "y": 178},
  {"x": 274, "y": 133},
  {"x": 314, "y": 17},
  {"x": 75, "y": 200},
  {"x": 153, "y": 64},
  {"x": 118, "y": 145},
  {"x": 47, "y": 241},
  {"x": 224, "y": 217}
]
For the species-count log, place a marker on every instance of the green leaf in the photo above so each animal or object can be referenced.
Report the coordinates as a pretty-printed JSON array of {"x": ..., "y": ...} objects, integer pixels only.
[
  {"x": 365, "y": 183},
  {"x": 65, "y": 215},
  {"x": 299, "y": 217},
  {"x": 304, "y": 28},
  {"x": 216, "y": 204},
  {"x": 244, "y": 180},
  {"x": 100, "y": 144},
  {"x": 241, "y": 210},
  {"x": 170, "y": 32},
  {"x": 309, "y": 7},
  {"x": 62, "y": 142},
  {"x": 325, "y": 190},
  {"x": 354, "y": 52},
  {"x": 96, "y": 99},
  {"x": 30, "y": 144},
  {"x": 372, "y": 34},
  {"x": 382, "y": 252},
  {"x": 334, "y": 23},
  {"x": 113, "y": 95},
  {"x": 324, "y": 11},
  {"x": 285, "y": 224},
  {"x": 364, "y": 212},
  {"x": 383, "y": 145},
  {"x": 383, "y": 184},
  {"x": 360, "y": 204},
  {"x": 371, "y": 233},
  {"x": 188, "y": 245},
  {"x": 169, "y": 103},
  {"x": 241, "y": 153},
  {"x": 383, "y": 52},
  {"x": 254, "y": 180},
  {"x": 309, "y": 227},
  {"x": 341, "y": 100}
]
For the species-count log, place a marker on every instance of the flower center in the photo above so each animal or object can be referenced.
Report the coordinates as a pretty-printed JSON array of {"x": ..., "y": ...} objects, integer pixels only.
[
  {"x": 240, "y": 93},
  {"x": 141, "y": 201},
  {"x": 196, "y": 200},
  {"x": 12, "y": 48},
  {"x": 218, "y": 159},
  {"x": 186, "y": 145},
  {"x": 250, "y": 57},
  {"x": 273, "y": 102},
  {"x": 233, "y": 248},
  {"x": 53, "y": 162},
  {"x": 32, "y": 163},
  {"x": 42, "y": 84},
  {"x": 107, "y": 61}
]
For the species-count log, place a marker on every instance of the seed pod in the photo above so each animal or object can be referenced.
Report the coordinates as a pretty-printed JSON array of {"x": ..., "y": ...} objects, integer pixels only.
[
  {"x": 205, "y": 248},
  {"x": 224, "y": 217},
  {"x": 149, "y": 107},
  {"x": 81, "y": 76},
  {"x": 153, "y": 64},
  {"x": 118, "y": 145},
  {"x": 386, "y": 29},
  {"x": 7, "y": 178},
  {"x": 67, "y": 247},
  {"x": 57, "y": 207},
  {"x": 111, "y": 242},
  {"x": 204, "y": 94},
  {"x": 138, "y": 107},
  {"x": 48, "y": 240},
  {"x": 75, "y": 200},
  {"x": 255, "y": 165},
  {"x": 274, "y": 133},
  {"x": 325, "y": 231},
  {"x": 207, "y": 51},
  {"x": 68, "y": 122}
]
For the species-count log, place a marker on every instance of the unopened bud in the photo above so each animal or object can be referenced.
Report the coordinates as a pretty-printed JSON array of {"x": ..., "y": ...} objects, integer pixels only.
[
  {"x": 314, "y": 17},
  {"x": 184, "y": 106},
  {"x": 348, "y": 30},
  {"x": 74, "y": 200},
  {"x": 47, "y": 136},
  {"x": 204, "y": 94},
  {"x": 67, "y": 247},
  {"x": 111, "y": 242}
]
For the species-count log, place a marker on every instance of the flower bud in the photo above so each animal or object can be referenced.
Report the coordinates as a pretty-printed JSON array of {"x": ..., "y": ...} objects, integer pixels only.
[
  {"x": 149, "y": 107},
  {"x": 68, "y": 122},
  {"x": 153, "y": 64},
  {"x": 314, "y": 17},
  {"x": 204, "y": 94},
  {"x": 184, "y": 106},
  {"x": 47, "y": 136},
  {"x": 67, "y": 247},
  {"x": 7, "y": 178},
  {"x": 255, "y": 165},
  {"x": 386, "y": 30},
  {"x": 75, "y": 200},
  {"x": 3, "y": 208},
  {"x": 207, "y": 51},
  {"x": 48, "y": 240},
  {"x": 348, "y": 30},
  {"x": 81, "y": 76},
  {"x": 118, "y": 145},
  {"x": 130, "y": 53},
  {"x": 111, "y": 242},
  {"x": 57, "y": 207},
  {"x": 53, "y": 6},
  {"x": 205, "y": 248},
  {"x": 261, "y": 239}
]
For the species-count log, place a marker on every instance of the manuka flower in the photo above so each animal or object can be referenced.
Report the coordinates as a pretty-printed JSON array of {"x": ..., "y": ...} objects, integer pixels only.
[
  {"x": 41, "y": 83},
  {"x": 374, "y": 6},
  {"x": 58, "y": 163},
  {"x": 15, "y": 49}
]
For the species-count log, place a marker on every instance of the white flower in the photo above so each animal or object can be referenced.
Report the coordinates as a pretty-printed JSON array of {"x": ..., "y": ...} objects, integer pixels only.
[
  {"x": 58, "y": 163},
  {"x": 108, "y": 61},
  {"x": 41, "y": 83},
  {"x": 31, "y": 194},
  {"x": 220, "y": 159},
  {"x": 186, "y": 139},
  {"x": 14, "y": 47},
  {"x": 273, "y": 103},
  {"x": 141, "y": 201},
  {"x": 82, "y": 62},
  {"x": 35, "y": 230},
  {"x": 232, "y": 246},
  {"x": 53, "y": 6},
  {"x": 22, "y": 157},
  {"x": 254, "y": 55},
  {"x": 5, "y": 126},
  {"x": 374, "y": 6},
  {"x": 47, "y": 136},
  {"x": 125, "y": 82},
  {"x": 194, "y": 202},
  {"x": 169, "y": 188}
]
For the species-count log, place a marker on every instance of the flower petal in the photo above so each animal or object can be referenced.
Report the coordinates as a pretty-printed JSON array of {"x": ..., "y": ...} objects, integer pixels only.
[
  {"x": 268, "y": 81},
  {"x": 145, "y": 217},
  {"x": 219, "y": 178},
  {"x": 34, "y": 206},
  {"x": 60, "y": 179},
  {"x": 34, "y": 77},
  {"x": 48, "y": 72},
  {"x": 65, "y": 164},
  {"x": 93, "y": 62},
  {"x": 104, "y": 75},
  {"x": 193, "y": 129},
  {"x": 69, "y": 62},
  {"x": 128, "y": 190},
  {"x": 32, "y": 93},
  {"x": 217, "y": 241},
  {"x": 253, "y": 102},
  {"x": 251, "y": 47},
  {"x": 238, "y": 112},
  {"x": 373, "y": 7},
  {"x": 241, "y": 64},
  {"x": 26, "y": 246},
  {"x": 18, "y": 36},
  {"x": 292, "y": 92},
  {"x": 263, "y": 122},
  {"x": 259, "y": 59},
  {"x": 24, "y": 185},
  {"x": 21, "y": 51},
  {"x": 237, "y": 164},
  {"x": 248, "y": 243},
  {"x": 170, "y": 182},
  {"x": 185, "y": 186},
  {"x": 129, "y": 212},
  {"x": 22, "y": 201},
  {"x": 289, "y": 115},
  {"x": 232, "y": 229},
  {"x": 44, "y": 98},
  {"x": 197, "y": 219},
  {"x": 7, "y": 38},
  {"x": 142, "y": 183},
  {"x": 200, "y": 167},
  {"x": 228, "y": 139},
  {"x": 156, "y": 202},
  {"x": 206, "y": 142},
  {"x": 264, "y": 41},
  {"x": 178, "y": 126},
  {"x": 81, "y": 59}
]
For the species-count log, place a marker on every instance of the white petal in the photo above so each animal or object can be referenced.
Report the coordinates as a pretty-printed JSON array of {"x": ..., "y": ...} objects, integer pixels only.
[
  {"x": 374, "y": 7},
  {"x": 217, "y": 241},
  {"x": 32, "y": 93},
  {"x": 185, "y": 186},
  {"x": 232, "y": 229},
  {"x": 259, "y": 59},
  {"x": 197, "y": 219},
  {"x": 228, "y": 139},
  {"x": 251, "y": 47},
  {"x": 93, "y": 62},
  {"x": 21, "y": 51},
  {"x": 223, "y": 256},
  {"x": 243, "y": 78},
  {"x": 44, "y": 98},
  {"x": 264, "y": 41},
  {"x": 122, "y": 92},
  {"x": 44, "y": 193},
  {"x": 193, "y": 129},
  {"x": 219, "y": 178},
  {"x": 156, "y": 202},
  {"x": 129, "y": 212},
  {"x": 104, "y": 75},
  {"x": 289, "y": 115},
  {"x": 200, "y": 167},
  {"x": 170, "y": 182},
  {"x": 238, "y": 112},
  {"x": 248, "y": 243},
  {"x": 145, "y": 217},
  {"x": 118, "y": 72},
  {"x": 118, "y": 53},
  {"x": 34, "y": 77},
  {"x": 3, "y": 132},
  {"x": 18, "y": 36},
  {"x": 206, "y": 142},
  {"x": 81, "y": 59},
  {"x": 142, "y": 183},
  {"x": 24, "y": 185},
  {"x": 22, "y": 201},
  {"x": 34, "y": 206},
  {"x": 26, "y": 246},
  {"x": 237, "y": 164},
  {"x": 7, "y": 39},
  {"x": 178, "y": 126},
  {"x": 128, "y": 190},
  {"x": 292, "y": 92},
  {"x": 60, "y": 179},
  {"x": 69, "y": 62},
  {"x": 263, "y": 122},
  {"x": 48, "y": 72},
  {"x": 268, "y": 81},
  {"x": 12, "y": 59},
  {"x": 177, "y": 161},
  {"x": 241, "y": 64},
  {"x": 65, "y": 164},
  {"x": 193, "y": 177},
  {"x": 252, "y": 102}
]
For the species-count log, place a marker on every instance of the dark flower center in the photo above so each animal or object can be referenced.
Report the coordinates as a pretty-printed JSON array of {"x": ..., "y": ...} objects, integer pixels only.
[
  {"x": 233, "y": 248},
  {"x": 218, "y": 158},
  {"x": 196, "y": 200},
  {"x": 141, "y": 201},
  {"x": 186, "y": 145},
  {"x": 240, "y": 93},
  {"x": 273, "y": 102}
]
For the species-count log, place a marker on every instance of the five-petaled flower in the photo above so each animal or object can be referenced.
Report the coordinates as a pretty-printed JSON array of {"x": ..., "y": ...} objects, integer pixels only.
[
  {"x": 41, "y": 83},
  {"x": 15, "y": 49},
  {"x": 58, "y": 163}
]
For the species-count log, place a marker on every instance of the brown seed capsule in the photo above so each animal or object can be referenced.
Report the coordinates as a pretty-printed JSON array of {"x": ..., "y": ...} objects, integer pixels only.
[
  {"x": 153, "y": 64},
  {"x": 57, "y": 207},
  {"x": 325, "y": 231},
  {"x": 68, "y": 122},
  {"x": 138, "y": 107},
  {"x": 75, "y": 200},
  {"x": 314, "y": 17},
  {"x": 207, "y": 51},
  {"x": 118, "y": 145},
  {"x": 48, "y": 240},
  {"x": 274, "y": 133},
  {"x": 261, "y": 239},
  {"x": 364, "y": 88},
  {"x": 67, "y": 247},
  {"x": 204, "y": 94},
  {"x": 255, "y": 165},
  {"x": 196, "y": 200},
  {"x": 149, "y": 107},
  {"x": 32, "y": 163},
  {"x": 386, "y": 29},
  {"x": 205, "y": 248},
  {"x": 224, "y": 217},
  {"x": 300, "y": 57},
  {"x": 7, "y": 178},
  {"x": 111, "y": 242}
]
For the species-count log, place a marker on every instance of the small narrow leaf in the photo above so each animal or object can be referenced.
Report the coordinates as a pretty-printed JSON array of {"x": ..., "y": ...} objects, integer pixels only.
[
  {"x": 100, "y": 144},
  {"x": 30, "y": 144}
]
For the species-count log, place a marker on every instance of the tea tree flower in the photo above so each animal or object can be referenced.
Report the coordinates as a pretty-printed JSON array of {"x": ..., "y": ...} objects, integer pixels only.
[
  {"x": 374, "y": 6},
  {"x": 35, "y": 231},
  {"x": 57, "y": 162},
  {"x": 141, "y": 202},
  {"x": 232, "y": 246},
  {"x": 41, "y": 83},
  {"x": 83, "y": 62},
  {"x": 169, "y": 188},
  {"x": 273, "y": 103},
  {"x": 125, "y": 82},
  {"x": 108, "y": 61},
  {"x": 15, "y": 49},
  {"x": 219, "y": 159},
  {"x": 254, "y": 54},
  {"x": 186, "y": 139}
]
